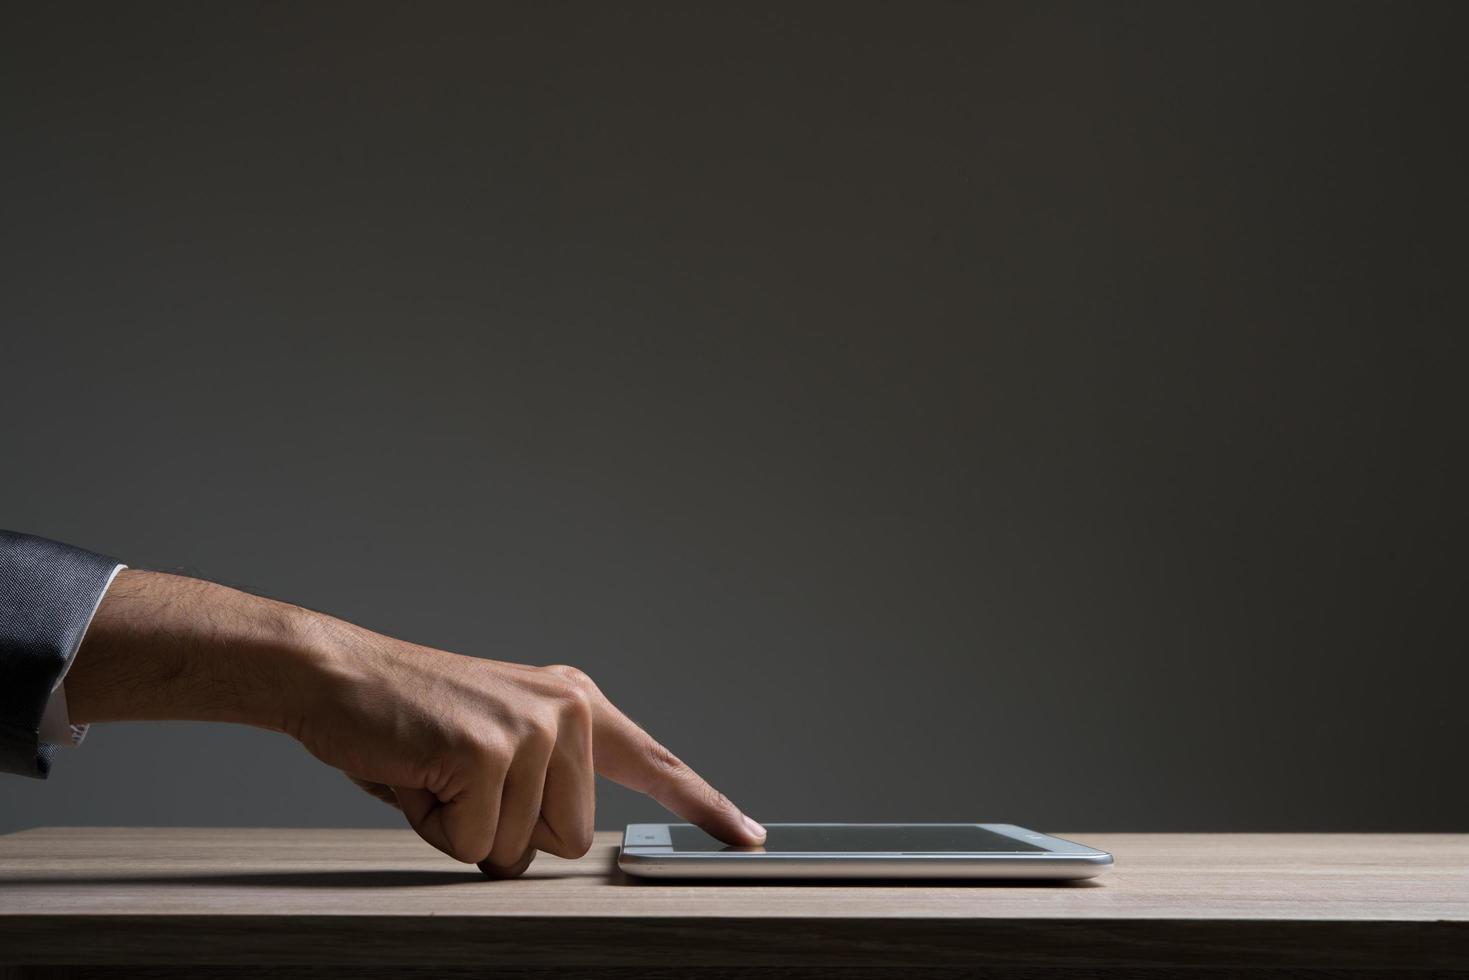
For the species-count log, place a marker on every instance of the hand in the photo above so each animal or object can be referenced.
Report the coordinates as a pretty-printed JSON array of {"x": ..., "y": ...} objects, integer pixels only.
[{"x": 489, "y": 761}]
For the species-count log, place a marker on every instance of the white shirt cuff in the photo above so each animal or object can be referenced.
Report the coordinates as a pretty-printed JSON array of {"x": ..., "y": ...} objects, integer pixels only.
[{"x": 56, "y": 726}]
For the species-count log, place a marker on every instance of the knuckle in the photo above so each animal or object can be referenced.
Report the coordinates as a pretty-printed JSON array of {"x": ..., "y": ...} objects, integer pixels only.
[
  {"x": 572, "y": 683},
  {"x": 572, "y": 688},
  {"x": 577, "y": 701},
  {"x": 573, "y": 676},
  {"x": 541, "y": 730},
  {"x": 579, "y": 844},
  {"x": 492, "y": 754}
]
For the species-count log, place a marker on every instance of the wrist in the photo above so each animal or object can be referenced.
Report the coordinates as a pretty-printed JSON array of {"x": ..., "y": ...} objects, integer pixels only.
[{"x": 310, "y": 667}]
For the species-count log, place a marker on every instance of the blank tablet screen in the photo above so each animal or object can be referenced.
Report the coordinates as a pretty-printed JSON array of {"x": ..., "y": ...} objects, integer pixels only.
[{"x": 960, "y": 838}]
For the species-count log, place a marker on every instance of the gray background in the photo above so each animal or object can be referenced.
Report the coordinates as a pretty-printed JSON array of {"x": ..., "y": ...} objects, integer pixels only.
[{"x": 1050, "y": 413}]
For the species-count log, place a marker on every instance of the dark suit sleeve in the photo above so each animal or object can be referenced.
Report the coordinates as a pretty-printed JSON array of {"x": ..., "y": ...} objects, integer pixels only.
[{"x": 48, "y": 593}]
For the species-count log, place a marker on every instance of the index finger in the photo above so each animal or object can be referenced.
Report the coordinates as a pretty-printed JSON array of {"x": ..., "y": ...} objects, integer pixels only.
[{"x": 626, "y": 754}]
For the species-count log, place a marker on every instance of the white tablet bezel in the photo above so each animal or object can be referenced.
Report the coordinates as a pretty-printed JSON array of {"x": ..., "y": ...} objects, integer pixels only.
[{"x": 647, "y": 850}]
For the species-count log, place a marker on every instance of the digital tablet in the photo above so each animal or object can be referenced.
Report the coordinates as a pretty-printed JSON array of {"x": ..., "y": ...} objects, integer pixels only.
[{"x": 860, "y": 850}]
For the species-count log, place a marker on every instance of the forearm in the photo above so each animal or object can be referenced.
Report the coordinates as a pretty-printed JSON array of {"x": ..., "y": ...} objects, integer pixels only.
[{"x": 166, "y": 647}]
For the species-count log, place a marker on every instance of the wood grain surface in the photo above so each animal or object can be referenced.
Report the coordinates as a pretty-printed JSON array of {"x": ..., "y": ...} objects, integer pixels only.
[{"x": 373, "y": 898}]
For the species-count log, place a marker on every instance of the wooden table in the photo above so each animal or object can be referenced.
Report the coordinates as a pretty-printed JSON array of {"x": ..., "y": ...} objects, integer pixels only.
[{"x": 201, "y": 903}]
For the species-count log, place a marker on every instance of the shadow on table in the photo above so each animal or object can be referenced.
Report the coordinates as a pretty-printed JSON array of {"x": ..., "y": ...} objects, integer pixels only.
[{"x": 352, "y": 878}]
